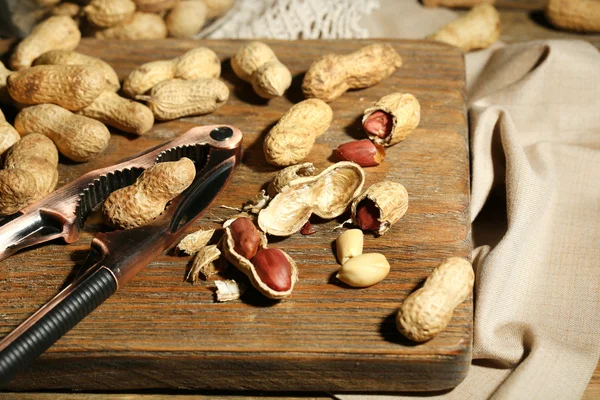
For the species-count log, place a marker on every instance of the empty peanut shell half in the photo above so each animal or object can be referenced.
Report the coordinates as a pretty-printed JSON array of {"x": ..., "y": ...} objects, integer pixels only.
[
  {"x": 380, "y": 206},
  {"x": 271, "y": 271},
  {"x": 327, "y": 195},
  {"x": 289, "y": 174},
  {"x": 391, "y": 119}
]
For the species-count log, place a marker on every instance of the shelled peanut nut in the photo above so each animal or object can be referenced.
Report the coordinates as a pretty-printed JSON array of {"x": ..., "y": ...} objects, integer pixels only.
[
  {"x": 392, "y": 118},
  {"x": 349, "y": 244},
  {"x": 273, "y": 268},
  {"x": 364, "y": 270},
  {"x": 363, "y": 152},
  {"x": 245, "y": 237},
  {"x": 380, "y": 206}
]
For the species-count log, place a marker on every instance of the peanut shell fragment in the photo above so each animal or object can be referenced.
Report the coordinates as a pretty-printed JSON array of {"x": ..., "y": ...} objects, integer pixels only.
[
  {"x": 204, "y": 263},
  {"x": 392, "y": 118},
  {"x": 289, "y": 174},
  {"x": 193, "y": 242}
]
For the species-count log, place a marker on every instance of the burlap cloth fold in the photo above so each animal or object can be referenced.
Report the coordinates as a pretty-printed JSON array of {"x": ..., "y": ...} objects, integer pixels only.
[{"x": 534, "y": 112}]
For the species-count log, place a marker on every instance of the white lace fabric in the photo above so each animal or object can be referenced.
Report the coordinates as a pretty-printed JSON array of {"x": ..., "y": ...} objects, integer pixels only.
[{"x": 292, "y": 19}]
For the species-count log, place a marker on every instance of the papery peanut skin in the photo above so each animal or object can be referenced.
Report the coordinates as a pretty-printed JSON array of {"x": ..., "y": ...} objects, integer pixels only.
[
  {"x": 273, "y": 269},
  {"x": 245, "y": 237}
]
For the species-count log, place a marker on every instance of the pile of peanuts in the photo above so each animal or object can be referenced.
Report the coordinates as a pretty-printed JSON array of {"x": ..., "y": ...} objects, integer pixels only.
[
  {"x": 137, "y": 19},
  {"x": 75, "y": 98}
]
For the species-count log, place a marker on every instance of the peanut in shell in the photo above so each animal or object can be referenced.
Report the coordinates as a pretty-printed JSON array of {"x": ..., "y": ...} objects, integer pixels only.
[
  {"x": 246, "y": 266},
  {"x": 178, "y": 98},
  {"x": 70, "y": 86},
  {"x": 380, "y": 206},
  {"x": 405, "y": 110},
  {"x": 67, "y": 57}
]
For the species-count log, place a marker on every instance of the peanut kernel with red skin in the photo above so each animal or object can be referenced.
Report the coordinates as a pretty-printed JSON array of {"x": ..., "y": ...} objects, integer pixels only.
[
  {"x": 363, "y": 152},
  {"x": 367, "y": 215},
  {"x": 379, "y": 124},
  {"x": 245, "y": 236},
  {"x": 273, "y": 269}
]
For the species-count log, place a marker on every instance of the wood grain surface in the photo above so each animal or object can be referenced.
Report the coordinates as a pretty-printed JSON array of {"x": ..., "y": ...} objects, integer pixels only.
[{"x": 162, "y": 332}]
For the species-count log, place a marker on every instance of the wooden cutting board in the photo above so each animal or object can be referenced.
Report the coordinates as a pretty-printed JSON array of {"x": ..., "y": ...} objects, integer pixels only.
[{"x": 162, "y": 332}]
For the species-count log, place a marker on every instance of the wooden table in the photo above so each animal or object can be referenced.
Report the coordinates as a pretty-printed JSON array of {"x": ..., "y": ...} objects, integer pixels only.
[{"x": 517, "y": 26}]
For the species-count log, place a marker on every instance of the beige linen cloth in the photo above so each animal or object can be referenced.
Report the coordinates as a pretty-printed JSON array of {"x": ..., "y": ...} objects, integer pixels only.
[{"x": 534, "y": 113}]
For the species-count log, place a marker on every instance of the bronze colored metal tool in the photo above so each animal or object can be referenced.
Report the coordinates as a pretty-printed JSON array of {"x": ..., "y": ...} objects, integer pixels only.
[{"x": 116, "y": 256}]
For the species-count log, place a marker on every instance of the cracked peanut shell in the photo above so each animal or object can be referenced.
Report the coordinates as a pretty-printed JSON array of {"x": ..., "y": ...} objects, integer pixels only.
[
  {"x": 405, "y": 110},
  {"x": 380, "y": 206},
  {"x": 327, "y": 195},
  {"x": 246, "y": 266},
  {"x": 289, "y": 174}
]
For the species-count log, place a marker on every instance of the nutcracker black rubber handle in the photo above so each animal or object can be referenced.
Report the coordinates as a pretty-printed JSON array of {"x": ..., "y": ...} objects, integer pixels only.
[{"x": 54, "y": 320}]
